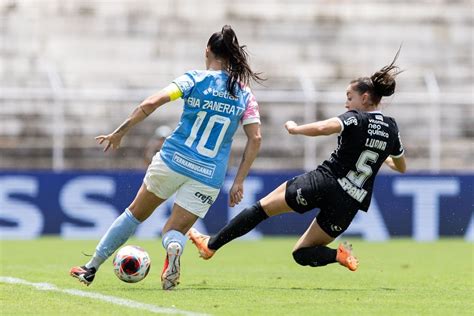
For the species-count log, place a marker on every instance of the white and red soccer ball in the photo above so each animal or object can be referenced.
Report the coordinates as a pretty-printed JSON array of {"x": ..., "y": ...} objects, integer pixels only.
[{"x": 131, "y": 264}]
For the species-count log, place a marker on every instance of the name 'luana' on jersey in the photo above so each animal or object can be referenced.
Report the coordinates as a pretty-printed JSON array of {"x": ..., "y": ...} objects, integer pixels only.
[{"x": 200, "y": 145}]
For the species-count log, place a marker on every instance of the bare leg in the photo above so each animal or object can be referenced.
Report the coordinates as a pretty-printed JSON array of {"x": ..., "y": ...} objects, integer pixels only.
[
  {"x": 311, "y": 249},
  {"x": 313, "y": 236},
  {"x": 180, "y": 220},
  {"x": 144, "y": 204},
  {"x": 274, "y": 203}
]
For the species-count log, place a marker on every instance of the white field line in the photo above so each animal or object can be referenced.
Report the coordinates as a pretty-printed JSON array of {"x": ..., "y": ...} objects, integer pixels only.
[{"x": 101, "y": 297}]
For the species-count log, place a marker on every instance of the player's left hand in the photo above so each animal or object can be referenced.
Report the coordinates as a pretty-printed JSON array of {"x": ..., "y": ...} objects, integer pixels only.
[{"x": 236, "y": 194}]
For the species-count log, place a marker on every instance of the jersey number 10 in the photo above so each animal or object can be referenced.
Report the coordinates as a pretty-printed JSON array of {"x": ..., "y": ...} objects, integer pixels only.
[{"x": 204, "y": 135}]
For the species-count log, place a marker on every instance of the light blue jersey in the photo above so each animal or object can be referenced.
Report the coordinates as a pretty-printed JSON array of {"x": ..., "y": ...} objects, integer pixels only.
[{"x": 200, "y": 145}]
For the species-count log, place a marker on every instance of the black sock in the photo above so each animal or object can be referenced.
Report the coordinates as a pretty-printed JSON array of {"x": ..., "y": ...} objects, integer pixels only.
[
  {"x": 244, "y": 222},
  {"x": 317, "y": 256}
]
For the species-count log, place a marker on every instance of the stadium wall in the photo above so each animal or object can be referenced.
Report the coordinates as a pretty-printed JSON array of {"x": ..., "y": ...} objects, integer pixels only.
[{"x": 81, "y": 205}]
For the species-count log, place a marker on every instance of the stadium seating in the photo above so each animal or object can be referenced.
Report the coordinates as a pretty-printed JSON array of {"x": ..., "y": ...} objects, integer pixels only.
[{"x": 70, "y": 70}]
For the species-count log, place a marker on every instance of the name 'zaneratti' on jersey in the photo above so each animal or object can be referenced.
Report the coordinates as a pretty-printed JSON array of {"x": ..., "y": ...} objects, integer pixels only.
[
  {"x": 355, "y": 166},
  {"x": 200, "y": 145}
]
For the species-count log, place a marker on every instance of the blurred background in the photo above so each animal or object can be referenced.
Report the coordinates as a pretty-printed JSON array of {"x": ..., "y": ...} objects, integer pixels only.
[
  {"x": 71, "y": 70},
  {"x": 74, "y": 69}
]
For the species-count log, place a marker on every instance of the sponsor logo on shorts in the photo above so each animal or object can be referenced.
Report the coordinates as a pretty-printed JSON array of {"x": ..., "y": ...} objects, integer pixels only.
[
  {"x": 336, "y": 228},
  {"x": 299, "y": 198},
  {"x": 204, "y": 198}
]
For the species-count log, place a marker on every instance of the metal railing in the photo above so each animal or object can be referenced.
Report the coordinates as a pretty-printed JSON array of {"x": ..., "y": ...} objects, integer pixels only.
[{"x": 310, "y": 99}]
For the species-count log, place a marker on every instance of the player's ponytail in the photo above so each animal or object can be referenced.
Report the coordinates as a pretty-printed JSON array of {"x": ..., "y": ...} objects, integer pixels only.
[
  {"x": 381, "y": 83},
  {"x": 224, "y": 44}
]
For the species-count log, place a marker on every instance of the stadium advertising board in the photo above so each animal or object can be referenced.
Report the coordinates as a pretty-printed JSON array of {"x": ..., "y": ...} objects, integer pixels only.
[{"x": 81, "y": 205}]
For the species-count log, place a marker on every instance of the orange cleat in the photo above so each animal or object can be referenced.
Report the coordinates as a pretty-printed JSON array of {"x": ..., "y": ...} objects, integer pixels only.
[
  {"x": 344, "y": 256},
  {"x": 200, "y": 241}
]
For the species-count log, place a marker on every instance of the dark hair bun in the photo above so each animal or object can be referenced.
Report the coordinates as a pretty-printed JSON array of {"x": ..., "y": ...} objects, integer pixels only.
[
  {"x": 384, "y": 82},
  {"x": 224, "y": 44},
  {"x": 384, "y": 79},
  {"x": 228, "y": 35},
  {"x": 227, "y": 29}
]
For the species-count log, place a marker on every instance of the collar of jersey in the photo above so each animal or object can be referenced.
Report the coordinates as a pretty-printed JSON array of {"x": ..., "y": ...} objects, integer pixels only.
[{"x": 219, "y": 70}]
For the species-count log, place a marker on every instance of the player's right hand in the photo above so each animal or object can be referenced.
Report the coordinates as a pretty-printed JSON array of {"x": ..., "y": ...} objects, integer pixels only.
[
  {"x": 113, "y": 140},
  {"x": 290, "y": 125}
]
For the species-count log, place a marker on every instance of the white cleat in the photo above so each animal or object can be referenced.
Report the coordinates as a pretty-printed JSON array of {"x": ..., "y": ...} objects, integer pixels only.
[{"x": 171, "y": 268}]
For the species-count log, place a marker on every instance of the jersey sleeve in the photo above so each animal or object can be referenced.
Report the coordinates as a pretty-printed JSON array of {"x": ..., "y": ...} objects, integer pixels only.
[
  {"x": 173, "y": 91},
  {"x": 185, "y": 83},
  {"x": 398, "y": 149},
  {"x": 251, "y": 114},
  {"x": 349, "y": 120}
]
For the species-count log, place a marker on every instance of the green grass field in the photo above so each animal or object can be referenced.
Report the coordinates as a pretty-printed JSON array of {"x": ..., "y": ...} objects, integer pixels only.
[{"x": 400, "y": 277}]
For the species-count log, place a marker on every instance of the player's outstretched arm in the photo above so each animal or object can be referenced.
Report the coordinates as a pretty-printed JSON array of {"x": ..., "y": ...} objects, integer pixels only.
[
  {"x": 397, "y": 164},
  {"x": 148, "y": 106},
  {"x": 252, "y": 147},
  {"x": 326, "y": 127}
]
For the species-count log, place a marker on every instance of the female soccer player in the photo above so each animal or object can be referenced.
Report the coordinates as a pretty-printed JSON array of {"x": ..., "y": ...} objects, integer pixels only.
[
  {"x": 339, "y": 187},
  {"x": 193, "y": 160}
]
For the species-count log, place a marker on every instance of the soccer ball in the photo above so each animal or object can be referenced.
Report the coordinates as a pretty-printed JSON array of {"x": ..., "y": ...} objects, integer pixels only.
[{"x": 131, "y": 264}]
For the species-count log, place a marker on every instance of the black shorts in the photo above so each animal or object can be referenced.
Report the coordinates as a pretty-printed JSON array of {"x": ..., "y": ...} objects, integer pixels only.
[{"x": 319, "y": 189}]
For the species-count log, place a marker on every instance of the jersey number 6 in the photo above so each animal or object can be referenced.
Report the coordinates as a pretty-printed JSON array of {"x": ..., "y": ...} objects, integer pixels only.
[{"x": 204, "y": 136}]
